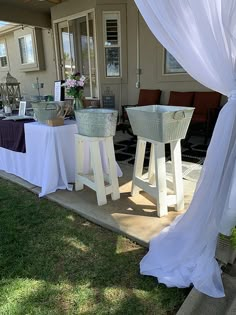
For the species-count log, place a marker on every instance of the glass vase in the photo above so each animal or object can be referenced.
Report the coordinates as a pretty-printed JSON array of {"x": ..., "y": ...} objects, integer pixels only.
[{"x": 78, "y": 104}]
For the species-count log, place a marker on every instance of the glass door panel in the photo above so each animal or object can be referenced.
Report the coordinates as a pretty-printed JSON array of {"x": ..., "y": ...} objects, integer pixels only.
[
  {"x": 92, "y": 54},
  {"x": 65, "y": 50},
  {"x": 78, "y": 52}
]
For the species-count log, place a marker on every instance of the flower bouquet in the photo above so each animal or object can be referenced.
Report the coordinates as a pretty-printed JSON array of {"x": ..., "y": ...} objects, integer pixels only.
[{"x": 75, "y": 87}]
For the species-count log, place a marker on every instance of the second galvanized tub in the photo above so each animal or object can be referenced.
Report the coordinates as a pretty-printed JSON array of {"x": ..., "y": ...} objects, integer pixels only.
[
  {"x": 96, "y": 122},
  {"x": 161, "y": 123}
]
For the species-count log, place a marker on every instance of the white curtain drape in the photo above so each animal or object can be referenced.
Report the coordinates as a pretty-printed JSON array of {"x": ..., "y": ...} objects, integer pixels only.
[{"x": 201, "y": 35}]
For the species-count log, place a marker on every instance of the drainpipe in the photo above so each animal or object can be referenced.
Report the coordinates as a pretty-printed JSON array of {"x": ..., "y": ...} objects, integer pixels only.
[{"x": 138, "y": 70}]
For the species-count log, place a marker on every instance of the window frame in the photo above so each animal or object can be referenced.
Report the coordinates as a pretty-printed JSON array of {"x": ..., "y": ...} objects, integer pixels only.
[
  {"x": 27, "y": 52},
  {"x": 37, "y": 49},
  {"x": 111, "y": 15},
  {"x": 4, "y": 68}
]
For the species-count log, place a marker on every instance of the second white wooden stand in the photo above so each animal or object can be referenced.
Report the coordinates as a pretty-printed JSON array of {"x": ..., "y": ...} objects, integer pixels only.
[{"x": 154, "y": 182}]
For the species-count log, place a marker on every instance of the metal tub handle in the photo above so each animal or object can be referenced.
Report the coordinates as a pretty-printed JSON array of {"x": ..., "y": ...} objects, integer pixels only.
[{"x": 179, "y": 115}]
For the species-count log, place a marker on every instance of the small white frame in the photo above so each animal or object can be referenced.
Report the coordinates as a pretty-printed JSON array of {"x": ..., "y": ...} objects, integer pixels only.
[{"x": 22, "y": 108}]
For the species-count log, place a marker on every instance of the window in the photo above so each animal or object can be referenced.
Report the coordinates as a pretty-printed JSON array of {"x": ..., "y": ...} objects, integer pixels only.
[
  {"x": 111, "y": 23},
  {"x": 26, "y": 49},
  {"x": 30, "y": 52},
  {"x": 3, "y": 55}
]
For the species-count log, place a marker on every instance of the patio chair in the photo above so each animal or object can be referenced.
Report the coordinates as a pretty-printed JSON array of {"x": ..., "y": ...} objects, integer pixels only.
[
  {"x": 181, "y": 98},
  {"x": 146, "y": 97},
  {"x": 207, "y": 108}
]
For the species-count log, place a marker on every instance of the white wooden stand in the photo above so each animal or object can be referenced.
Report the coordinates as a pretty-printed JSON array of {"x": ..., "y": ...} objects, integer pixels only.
[
  {"x": 154, "y": 182},
  {"x": 103, "y": 184}
]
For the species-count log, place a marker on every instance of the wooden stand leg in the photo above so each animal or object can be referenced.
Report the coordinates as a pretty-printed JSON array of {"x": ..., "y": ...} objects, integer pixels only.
[
  {"x": 113, "y": 179},
  {"x": 151, "y": 167},
  {"x": 177, "y": 174},
  {"x": 138, "y": 165},
  {"x": 79, "y": 162},
  {"x": 98, "y": 173},
  {"x": 160, "y": 168}
]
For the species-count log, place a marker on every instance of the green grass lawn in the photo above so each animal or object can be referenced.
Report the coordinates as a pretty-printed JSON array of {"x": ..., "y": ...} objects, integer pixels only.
[{"x": 54, "y": 262}]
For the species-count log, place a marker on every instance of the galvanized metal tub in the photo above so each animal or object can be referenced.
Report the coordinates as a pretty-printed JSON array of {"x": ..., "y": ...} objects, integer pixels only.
[
  {"x": 162, "y": 123},
  {"x": 96, "y": 122},
  {"x": 48, "y": 110}
]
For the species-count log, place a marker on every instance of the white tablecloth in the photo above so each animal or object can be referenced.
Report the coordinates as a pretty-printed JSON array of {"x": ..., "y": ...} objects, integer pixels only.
[{"x": 49, "y": 161}]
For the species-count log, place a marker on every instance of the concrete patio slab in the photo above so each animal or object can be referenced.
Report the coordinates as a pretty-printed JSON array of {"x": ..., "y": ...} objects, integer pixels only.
[
  {"x": 17, "y": 180},
  {"x": 200, "y": 304},
  {"x": 134, "y": 217}
]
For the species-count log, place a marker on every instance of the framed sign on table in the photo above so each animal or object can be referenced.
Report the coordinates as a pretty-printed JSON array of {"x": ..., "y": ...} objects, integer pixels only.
[
  {"x": 22, "y": 108},
  {"x": 59, "y": 91}
]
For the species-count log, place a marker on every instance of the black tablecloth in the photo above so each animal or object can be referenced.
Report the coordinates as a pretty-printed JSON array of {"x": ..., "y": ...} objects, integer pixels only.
[{"x": 12, "y": 134}]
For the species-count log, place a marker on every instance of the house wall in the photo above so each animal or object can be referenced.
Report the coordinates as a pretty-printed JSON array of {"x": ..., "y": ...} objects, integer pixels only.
[
  {"x": 47, "y": 76},
  {"x": 125, "y": 90},
  {"x": 23, "y": 14},
  {"x": 71, "y": 7},
  {"x": 150, "y": 52},
  {"x": 151, "y": 62}
]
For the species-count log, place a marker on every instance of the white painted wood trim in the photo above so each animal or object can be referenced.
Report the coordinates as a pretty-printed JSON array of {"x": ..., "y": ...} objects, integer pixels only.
[{"x": 177, "y": 174}]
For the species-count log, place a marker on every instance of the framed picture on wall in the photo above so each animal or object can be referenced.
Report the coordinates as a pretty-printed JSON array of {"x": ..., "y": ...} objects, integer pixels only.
[{"x": 171, "y": 65}]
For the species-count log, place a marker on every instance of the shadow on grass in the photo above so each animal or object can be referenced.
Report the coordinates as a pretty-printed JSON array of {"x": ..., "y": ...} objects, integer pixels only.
[{"x": 54, "y": 262}]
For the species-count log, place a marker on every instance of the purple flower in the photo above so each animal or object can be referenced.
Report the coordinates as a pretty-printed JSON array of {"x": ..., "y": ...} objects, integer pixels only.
[{"x": 81, "y": 83}]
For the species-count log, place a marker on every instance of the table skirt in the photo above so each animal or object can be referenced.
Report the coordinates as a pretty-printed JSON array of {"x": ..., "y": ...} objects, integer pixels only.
[{"x": 49, "y": 161}]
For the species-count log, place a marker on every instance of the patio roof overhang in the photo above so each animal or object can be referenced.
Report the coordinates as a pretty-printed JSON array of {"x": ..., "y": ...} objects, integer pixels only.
[{"x": 28, "y": 12}]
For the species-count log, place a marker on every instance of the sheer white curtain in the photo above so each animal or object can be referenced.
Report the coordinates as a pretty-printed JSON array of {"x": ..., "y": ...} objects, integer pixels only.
[{"x": 201, "y": 35}]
